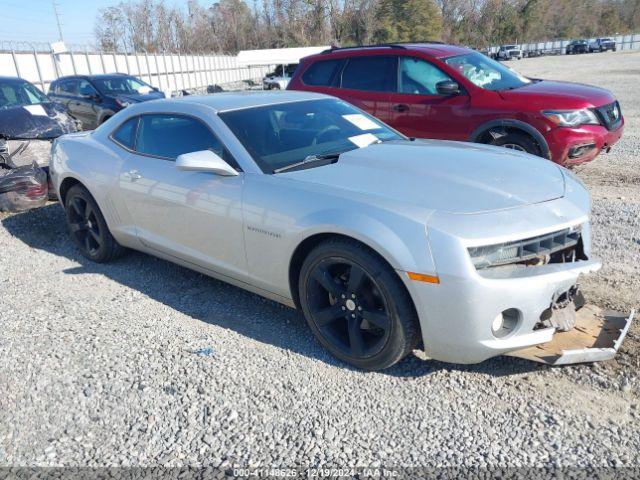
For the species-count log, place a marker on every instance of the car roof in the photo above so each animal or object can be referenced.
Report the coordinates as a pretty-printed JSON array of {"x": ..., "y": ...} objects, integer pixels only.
[
  {"x": 12, "y": 79},
  {"x": 226, "y": 101},
  {"x": 437, "y": 50},
  {"x": 97, "y": 76}
]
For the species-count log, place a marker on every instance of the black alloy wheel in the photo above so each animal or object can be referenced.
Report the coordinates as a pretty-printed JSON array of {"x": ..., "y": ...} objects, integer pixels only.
[
  {"x": 88, "y": 228},
  {"x": 356, "y": 306}
]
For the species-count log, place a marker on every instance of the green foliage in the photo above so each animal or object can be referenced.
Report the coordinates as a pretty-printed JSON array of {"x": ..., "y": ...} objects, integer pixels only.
[{"x": 407, "y": 20}]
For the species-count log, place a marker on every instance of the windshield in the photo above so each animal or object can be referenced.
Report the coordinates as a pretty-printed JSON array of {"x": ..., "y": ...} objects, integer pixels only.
[
  {"x": 283, "y": 134},
  {"x": 486, "y": 73},
  {"x": 17, "y": 93},
  {"x": 122, "y": 86}
]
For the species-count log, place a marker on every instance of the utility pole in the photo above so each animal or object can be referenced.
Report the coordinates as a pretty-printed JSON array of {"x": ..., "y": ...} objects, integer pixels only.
[{"x": 55, "y": 11}]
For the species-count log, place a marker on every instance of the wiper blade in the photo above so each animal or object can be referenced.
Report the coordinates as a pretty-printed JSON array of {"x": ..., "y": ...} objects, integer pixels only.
[{"x": 308, "y": 160}]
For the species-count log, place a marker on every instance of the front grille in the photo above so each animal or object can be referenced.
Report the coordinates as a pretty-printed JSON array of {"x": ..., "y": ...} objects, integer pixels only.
[
  {"x": 531, "y": 251},
  {"x": 610, "y": 115}
]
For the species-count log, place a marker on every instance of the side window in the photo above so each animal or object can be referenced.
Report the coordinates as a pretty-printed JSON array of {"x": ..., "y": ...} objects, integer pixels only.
[
  {"x": 376, "y": 74},
  {"x": 68, "y": 87},
  {"x": 322, "y": 73},
  {"x": 168, "y": 136},
  {"x": 86, "y": 89},
  {"x": 125, "y": 135},
  {"x": 419, "y": 77}
]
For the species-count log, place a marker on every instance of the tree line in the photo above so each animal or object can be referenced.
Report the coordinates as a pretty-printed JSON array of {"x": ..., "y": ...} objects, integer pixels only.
[{"x": 228, "y": 26}]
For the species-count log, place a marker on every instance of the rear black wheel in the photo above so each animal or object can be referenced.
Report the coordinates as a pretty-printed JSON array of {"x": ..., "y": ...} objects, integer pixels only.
[
  {"x": 88, "y": 228},
  {"x": 357, "y": 306}
]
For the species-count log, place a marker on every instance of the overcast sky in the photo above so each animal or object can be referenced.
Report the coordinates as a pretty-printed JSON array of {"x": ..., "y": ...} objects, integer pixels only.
[{"x": 34, "y": 21}]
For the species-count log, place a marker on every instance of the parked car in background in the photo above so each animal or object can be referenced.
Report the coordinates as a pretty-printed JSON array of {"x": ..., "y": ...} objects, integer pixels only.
[
  {"x": 27, "y": 113},
  {"x": 386, "y": 244},
  {"x": 93, "y": 99},
  {"x": 279, "y": 78},
  {"x": 29, "y": 122},
  {"x": 602, "y": 44},
  {"x": 577, "y": 46},
  {"x": 509, "y": 52},
  {"x": 449, "y": 92}
]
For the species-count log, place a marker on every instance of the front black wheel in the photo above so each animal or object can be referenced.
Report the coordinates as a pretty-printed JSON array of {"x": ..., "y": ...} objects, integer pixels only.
[
  {"x": 517, "y": 141},
  {"x": 88, "y": 228},
  {"x": 356, "y": 305}
]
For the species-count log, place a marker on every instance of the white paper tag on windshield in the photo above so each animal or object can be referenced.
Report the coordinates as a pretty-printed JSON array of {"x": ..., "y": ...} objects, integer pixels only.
[
  {"x": 362, "y": 122},
  {"x": 144, "y": 90},
  {"x": 364, "y": 140},
  {"x": 37, "y": 110}
]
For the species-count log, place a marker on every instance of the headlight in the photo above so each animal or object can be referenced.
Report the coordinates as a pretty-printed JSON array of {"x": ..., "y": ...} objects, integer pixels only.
[{"x": 572, "y": 118}]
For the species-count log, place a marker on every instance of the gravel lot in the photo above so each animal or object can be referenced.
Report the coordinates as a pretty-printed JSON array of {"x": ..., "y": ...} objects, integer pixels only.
[{"x": 145, "y": 363}]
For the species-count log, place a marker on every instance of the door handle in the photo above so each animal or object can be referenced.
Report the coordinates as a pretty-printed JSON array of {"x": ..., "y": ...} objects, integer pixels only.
[
  {"x": 401, "y": 107},
  {"x": 133, "y": 175}
]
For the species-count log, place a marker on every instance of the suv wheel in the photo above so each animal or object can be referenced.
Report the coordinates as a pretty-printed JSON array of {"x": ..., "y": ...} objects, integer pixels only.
[
  {"x": 88, "y": 228},
  {"x": 356, "y": 305},
  {"x": 517, "y": 141}
]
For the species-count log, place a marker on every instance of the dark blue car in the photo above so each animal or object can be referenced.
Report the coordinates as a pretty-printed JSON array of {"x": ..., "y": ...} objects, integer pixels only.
[{"x": 92, "y": 99}]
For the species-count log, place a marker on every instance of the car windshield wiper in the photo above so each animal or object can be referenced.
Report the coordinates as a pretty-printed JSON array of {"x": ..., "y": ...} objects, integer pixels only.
[{"x": 325, "y": 159}]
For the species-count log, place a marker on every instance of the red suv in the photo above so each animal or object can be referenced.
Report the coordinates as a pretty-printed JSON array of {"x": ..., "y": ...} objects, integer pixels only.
[{"x": 443, "y": 91}]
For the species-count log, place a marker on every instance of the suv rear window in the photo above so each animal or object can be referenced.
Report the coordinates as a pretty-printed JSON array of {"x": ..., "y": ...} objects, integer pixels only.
[
  {"x": 375, "y": 74},
  {"x": 322, "y": 73}
]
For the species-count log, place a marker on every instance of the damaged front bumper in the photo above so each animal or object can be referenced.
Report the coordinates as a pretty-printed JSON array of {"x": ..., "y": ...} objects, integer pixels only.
[{"x": 596, "y": 336}]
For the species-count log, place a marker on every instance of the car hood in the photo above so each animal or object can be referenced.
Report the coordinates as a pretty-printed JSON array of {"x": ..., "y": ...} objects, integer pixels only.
[
  {"x": 559, "y": 95},
  {"x": 140, "y": 97},
  {"x": 454, "y": 177},
  {"x": 43, "y": 120}
]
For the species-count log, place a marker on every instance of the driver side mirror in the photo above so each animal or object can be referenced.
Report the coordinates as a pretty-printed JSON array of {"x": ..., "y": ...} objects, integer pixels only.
[
  {"x": 204, "y": 161},
  {"x": 448, "y": 88}
]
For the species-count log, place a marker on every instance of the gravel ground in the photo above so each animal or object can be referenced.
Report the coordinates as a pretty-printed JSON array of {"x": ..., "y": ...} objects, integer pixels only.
[{"x": 145, "y": 363}]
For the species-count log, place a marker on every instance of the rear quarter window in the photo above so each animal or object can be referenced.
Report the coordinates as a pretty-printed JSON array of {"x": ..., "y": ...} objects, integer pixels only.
[
  {"x": 125, "y": 135},
  {"x": 371, "y": 73},
  {"x": 322, "y": 73}
]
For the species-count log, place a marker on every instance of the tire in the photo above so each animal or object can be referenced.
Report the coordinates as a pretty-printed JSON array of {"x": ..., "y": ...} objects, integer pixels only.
[
  {"x": 356, "y": 305},
  {"x": 87, "y": 227},
  {"x": 517, "y": 141}
]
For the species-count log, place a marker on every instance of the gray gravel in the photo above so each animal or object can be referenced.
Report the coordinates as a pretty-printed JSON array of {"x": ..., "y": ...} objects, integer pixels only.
[{"x": 142, "y": 362}]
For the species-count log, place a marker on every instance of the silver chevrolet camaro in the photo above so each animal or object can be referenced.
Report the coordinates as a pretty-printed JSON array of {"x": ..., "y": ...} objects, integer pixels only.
[{"x": 387, "y": 244}]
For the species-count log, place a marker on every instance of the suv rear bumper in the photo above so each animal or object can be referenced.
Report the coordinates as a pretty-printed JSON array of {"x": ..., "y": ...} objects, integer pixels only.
[{"x": 563, "y": 142}]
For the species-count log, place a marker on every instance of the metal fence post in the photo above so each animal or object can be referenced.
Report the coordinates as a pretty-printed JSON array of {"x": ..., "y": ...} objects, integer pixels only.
[
  {"x": 138, "y": 63},
  {"x": 175, "y": 75},
  {"x": 184, "y": 84},
  {"x": 15, "y": 62},
  {"x": 146, "y": 57},
  {"x": 86, "y": 54},
  {"x": 166, "y": 70},
  {"x": 35, "y": 56},
  {"x": 104, "y": 69},
  {"x": 73, "y": 62},
  {"x": 155, "y": 60},
  {"x": 126, "y": 62}
]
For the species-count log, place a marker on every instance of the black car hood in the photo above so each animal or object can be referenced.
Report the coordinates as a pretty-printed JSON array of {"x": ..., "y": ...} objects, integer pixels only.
[
  {"x": 140, "y": 97},
  {"x": 44, "y": 120}
]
